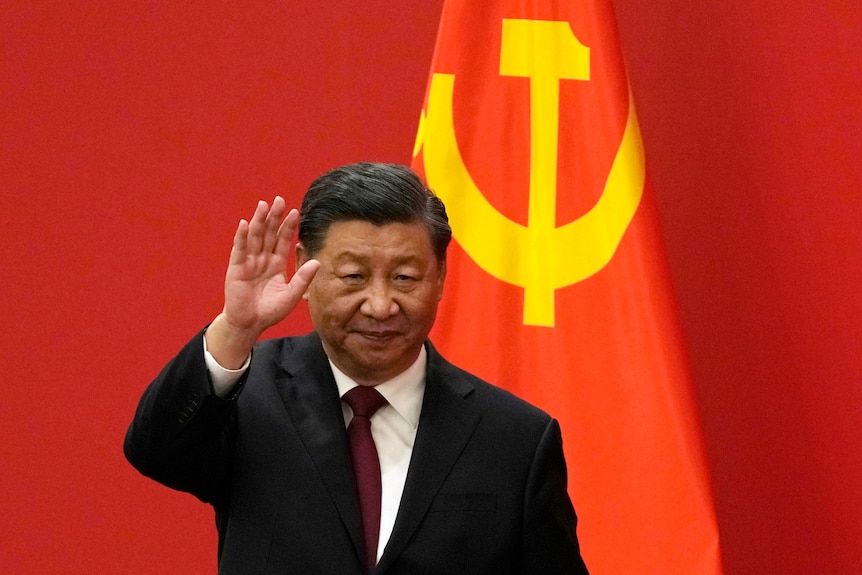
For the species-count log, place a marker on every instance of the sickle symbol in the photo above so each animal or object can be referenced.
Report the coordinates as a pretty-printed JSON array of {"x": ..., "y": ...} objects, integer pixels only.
[{"x": 539, "y": 257}]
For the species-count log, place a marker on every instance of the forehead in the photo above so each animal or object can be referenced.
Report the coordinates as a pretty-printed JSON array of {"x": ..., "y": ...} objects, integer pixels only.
[{"x": 360, "y": 238}]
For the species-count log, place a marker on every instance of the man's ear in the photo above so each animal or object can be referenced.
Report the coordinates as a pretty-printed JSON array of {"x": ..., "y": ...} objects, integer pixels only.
[
  {"x": 301, "y": 255},
  {"x": 441, "y": 278}
]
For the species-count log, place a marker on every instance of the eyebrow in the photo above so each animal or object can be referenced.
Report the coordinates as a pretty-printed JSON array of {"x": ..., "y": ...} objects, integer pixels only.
[{"x": 350, "y": 256}]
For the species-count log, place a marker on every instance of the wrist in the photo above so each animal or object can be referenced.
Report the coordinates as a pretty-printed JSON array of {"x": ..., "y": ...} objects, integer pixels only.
[{"x": 229, "y": 344}]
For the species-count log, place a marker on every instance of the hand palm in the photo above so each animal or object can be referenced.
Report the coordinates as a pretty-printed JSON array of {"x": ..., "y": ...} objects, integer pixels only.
[{"x": 258, "y": 293}]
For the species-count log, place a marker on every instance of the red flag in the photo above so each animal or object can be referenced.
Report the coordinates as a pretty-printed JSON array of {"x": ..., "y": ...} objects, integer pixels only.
[{"x": 557, "y": 283}]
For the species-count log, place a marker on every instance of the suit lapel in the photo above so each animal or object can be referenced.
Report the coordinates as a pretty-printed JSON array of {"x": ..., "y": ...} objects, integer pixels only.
[
  {"x": 445, "y": 425},
  {"x": 310, "y": 396}
]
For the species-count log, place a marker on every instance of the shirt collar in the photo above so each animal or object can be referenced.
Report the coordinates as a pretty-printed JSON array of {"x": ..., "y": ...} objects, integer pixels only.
[{"x": 404, "y": 392}]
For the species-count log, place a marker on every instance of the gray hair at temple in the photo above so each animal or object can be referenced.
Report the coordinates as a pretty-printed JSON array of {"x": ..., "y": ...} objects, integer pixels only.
[{"x": 372, "y": 192}]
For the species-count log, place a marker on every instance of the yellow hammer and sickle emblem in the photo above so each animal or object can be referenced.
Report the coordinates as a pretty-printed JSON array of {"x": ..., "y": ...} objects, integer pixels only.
[{"x": 550, "y": 257}]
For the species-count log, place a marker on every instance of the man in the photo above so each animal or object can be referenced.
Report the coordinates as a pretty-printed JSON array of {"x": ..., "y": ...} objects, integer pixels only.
[{"x": 464, "y": 477}]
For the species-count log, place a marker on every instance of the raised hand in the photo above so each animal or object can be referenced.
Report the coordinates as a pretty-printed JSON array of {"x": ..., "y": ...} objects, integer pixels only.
[{"x": 258, "y": 293}]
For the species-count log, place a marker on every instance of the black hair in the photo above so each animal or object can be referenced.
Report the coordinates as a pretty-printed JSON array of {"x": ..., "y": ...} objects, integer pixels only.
[{"x": 372, "y": 192}]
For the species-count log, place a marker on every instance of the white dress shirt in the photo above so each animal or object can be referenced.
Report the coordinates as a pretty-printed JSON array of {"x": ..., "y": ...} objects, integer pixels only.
[{"x": 393, "y": 426}]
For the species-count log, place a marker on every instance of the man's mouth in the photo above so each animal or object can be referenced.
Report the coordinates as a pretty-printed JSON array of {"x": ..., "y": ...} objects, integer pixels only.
[{"x": 382, "y": 336}]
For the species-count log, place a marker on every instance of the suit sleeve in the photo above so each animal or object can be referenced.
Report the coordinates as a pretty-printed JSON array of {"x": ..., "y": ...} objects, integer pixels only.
[
  {"x": 182, "y": 432},
  {"x": 550, "y": 541}
]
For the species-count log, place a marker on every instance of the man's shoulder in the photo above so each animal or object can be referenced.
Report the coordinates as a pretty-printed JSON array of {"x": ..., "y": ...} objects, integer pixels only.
[
  {"x": 291, "y": 352},
  {"x": 508, "y": 402},
  {"x": 290, "y": 344},
  {"x": 484, "y": 394}
]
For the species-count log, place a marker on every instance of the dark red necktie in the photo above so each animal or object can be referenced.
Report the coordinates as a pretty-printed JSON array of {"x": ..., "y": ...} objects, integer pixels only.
[{"x": 364, "y": 401}]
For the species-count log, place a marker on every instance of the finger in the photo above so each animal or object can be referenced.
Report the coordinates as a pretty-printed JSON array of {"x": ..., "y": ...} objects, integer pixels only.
[
  {"x": 240, "y": 243},
  {"x": 257, "y": 228},
  {"x": 273, "y": 221},
  {"x": 285, "y": 234},
  {"x": 302, "y": 278}
]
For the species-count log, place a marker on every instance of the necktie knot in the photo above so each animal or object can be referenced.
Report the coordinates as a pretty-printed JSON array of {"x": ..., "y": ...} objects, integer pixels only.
[{"x": 364, "y": 401}]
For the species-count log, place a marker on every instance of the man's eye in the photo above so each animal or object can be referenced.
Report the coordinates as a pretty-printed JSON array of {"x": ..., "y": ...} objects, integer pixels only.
[{"x": 403, "y": 278}]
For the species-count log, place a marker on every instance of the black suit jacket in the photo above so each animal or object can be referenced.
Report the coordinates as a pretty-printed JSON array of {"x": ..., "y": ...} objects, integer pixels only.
[{"x": 485, "y": 490}]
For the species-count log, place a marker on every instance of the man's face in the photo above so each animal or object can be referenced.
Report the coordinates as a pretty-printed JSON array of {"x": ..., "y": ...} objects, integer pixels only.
[{"x": 374, "y": 299}]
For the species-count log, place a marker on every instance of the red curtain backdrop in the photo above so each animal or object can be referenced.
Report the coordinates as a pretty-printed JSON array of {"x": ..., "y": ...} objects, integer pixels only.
[
  {"x": 558, "y": 288},
  {"x": 133, "y": 137}
]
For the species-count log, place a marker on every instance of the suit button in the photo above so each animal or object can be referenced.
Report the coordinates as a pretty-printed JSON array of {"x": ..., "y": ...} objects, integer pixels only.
[{"x": 190, "y": 408}]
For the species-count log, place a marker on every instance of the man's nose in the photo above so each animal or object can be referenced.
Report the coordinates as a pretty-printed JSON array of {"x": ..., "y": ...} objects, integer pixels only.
[{"x": 378, "y": 302}]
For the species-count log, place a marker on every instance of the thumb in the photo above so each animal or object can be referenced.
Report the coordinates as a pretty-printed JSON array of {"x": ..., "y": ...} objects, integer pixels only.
[{"x": 303, "y": 276}]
